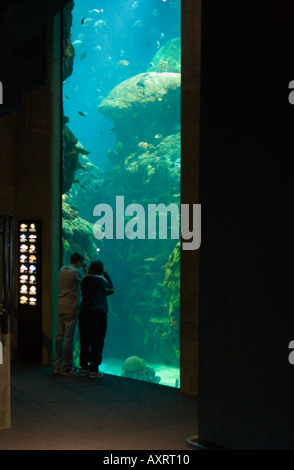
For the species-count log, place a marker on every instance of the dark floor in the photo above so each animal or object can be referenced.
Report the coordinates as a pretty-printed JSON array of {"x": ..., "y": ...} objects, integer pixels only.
[{"x": 50, "y": 412}]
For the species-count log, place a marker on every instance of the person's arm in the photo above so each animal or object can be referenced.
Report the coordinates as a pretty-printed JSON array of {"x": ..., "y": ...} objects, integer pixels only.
[
  {"x": 85, "y": 269},
  {"x": 108, "y": 284}
]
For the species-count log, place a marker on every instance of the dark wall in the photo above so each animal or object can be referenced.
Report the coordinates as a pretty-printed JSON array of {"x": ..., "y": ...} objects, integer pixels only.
[{"x": 246, "y": 383}]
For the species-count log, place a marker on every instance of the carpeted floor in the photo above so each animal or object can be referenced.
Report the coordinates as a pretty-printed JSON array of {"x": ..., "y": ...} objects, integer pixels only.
[{"x": 50, "y": 412}]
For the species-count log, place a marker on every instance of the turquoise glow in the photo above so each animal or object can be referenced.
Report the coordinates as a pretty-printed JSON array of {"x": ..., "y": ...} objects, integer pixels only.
[{"x": 122, "y": 137}]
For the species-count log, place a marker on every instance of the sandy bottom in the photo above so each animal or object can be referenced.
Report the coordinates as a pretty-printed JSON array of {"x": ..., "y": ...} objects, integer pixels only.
[{"x": 170, "y": 376}]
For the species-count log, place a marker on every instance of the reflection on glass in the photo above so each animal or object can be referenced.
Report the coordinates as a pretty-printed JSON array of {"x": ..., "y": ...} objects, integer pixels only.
[
  {"x": 32, "y": 301},
  {"x": 32, "y": 268},
  {"x": 32, "y": 248},
  {"x": 23, "y": 237},
  {"x": 33, "y": 279},
  {"x": 23, "y": 268},
  {"x": 24, "y": 248},
  {"x": 32, "y": 258},
  {"x": 23, "y": 299},
  {"x": 32, "y": 237},
  {"x": 23, "y": 227}
]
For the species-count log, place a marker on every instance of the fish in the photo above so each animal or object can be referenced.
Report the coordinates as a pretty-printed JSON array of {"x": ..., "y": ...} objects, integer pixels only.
[
  {"x": 86, "y": 21},
  {"x": 158, "y": 136},
  {"x": 78, "y": 42},
  {"x": 137, "y": 25},
  {"x": 144, "y": 145},
  {"x": 123, "y": 63},
  {"x": 158, "y": 44},
  {"x": 82, "y": 114},
  {"x": 67, "y": 97},
  {"x": 83, "y": 55},
  {"x": 96, "y": 11},
  {"x": 135, "y": 5},
  {"x": 99, "y": 24},
  {"x": 83, "y": 152},
  {"x": 97, "y": 48}
]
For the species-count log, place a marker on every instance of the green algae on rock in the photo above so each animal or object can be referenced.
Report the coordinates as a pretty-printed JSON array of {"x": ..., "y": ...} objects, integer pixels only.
[
  {"x": 168, "y": 57},
  {"x": 143, "y": 106}
]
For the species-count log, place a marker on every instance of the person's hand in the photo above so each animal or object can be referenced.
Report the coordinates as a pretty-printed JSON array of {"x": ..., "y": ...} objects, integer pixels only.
[{"x": 84, "y": 266}]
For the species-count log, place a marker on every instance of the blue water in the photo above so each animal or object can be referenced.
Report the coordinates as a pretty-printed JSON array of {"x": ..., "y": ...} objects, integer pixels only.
[
  {"x": 129, "y": 31},
  {"x": 110, "y": 47}
]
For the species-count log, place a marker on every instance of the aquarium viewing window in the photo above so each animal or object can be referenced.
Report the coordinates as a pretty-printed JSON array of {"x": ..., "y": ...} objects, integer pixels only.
[{"x": 122, "y": 155}]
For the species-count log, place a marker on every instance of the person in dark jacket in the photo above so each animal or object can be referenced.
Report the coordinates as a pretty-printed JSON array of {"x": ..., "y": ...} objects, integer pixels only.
[{"x": 95, "y": 287}]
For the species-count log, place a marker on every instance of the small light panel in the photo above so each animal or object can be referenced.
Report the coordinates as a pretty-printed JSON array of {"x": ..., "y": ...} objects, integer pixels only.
[{"x": 29, "y": 260}]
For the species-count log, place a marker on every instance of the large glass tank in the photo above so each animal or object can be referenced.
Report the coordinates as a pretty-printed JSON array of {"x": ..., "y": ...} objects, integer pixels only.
[{"x": 122, "y": 143}]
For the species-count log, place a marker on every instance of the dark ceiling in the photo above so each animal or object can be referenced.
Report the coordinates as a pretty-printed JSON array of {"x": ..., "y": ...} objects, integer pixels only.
[
  {"x": 24, "y": 45},
  {"x": 7, "y": 5}
]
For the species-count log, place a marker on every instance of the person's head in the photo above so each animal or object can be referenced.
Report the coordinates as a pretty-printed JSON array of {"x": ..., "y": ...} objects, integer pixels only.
[
  {"x": 96, "y": 267},
  {"x": 76, "y": 259}
]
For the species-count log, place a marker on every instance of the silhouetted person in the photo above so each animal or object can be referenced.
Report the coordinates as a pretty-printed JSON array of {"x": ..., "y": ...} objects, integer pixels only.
[
  {"x": 95, "y": 288},
  {"x": 69, "y": 281}
]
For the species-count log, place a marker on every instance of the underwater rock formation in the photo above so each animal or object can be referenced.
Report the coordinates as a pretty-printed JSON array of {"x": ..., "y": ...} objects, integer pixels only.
[
  {"x": 68, "y": 49},
  {"x": 70, "y": 158},
  {"x": 172, "y": 287},
  {"x": 156, "y": 166},
  {"x": 77, "y": 233},
  {"x": 141, "y": 92},
  {"x": 168, "y": 57},
  {"x": 172, "y": 279},
  {"x": 137, "y": 368},
  {"x": 143, "y": 106},
  {"x": 86, "y": 187}
]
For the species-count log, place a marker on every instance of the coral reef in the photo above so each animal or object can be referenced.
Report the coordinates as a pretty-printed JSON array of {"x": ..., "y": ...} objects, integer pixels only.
[
  {"x": 77, "y": 233},
  {"x": 70, "y": 160},
  {"x": 168, "y": 57},
  {"x": 143, "y": 106},
  {"x": 68, "y": 49},
  {"x": 86, "y": 185},
  {"x": 137, "y": 368},
  {"x": 172, "y": 279}
]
